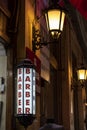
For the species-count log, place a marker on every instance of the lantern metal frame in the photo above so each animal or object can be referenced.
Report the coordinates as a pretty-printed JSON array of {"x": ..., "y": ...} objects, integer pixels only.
[
  {"x": 80, "y": 81},
  {"x": 53, "y": 34},
  {"x": 25, "y": 119},
  {"x": 82, "y": 73}
]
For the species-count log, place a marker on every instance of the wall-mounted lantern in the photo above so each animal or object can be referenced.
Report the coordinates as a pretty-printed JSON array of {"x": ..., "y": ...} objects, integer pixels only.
[
  {"x": 55, "y": 19},
  {"x": 81, "y": 73},
  {"x": 55, "y": 16},
  {"x": 26, "y": 93},
  {"x": 81, "y": 77}
]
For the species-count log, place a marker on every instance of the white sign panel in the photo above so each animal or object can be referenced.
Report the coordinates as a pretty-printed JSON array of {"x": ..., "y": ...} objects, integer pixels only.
[
  {"x": 19, "y": 91},
  {"x": 28, "y": 91},
  {"x": 34, "y": 93}
]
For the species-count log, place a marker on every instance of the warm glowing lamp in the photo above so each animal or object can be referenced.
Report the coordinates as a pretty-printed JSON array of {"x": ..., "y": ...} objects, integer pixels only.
[
  {"x": 55, "y": 17},
  {"x": 55, "y": 20},
  {"x": 81, "y": 73}
]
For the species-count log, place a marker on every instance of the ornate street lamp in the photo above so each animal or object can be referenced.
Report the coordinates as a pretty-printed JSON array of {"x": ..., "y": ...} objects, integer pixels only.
[
  {"x": 81, "y": 73},
  {"x": 55, "y": 19},
  {"x": 55, "y": 16},
  {"x": 26, "y": 93},
  {"x": 81, "y": 77}
]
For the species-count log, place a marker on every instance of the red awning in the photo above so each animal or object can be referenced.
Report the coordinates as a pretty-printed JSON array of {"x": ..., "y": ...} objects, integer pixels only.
[{"x": 81, "y": 6}]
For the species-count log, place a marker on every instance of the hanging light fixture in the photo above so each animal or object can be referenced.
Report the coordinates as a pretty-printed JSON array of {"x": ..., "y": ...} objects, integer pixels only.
[
  {"x": 81, "y": 72},
  {"x": 25, "y": 93},
  {"x": 80, "y": 78},
  {"x": 55, "y": 16},
  {"x": 55, "y": 19}
]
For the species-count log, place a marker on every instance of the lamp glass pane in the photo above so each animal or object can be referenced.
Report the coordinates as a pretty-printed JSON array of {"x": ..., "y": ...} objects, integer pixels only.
[
  {"x": 62, "y": 20},
  {"x": 81, "y": 74},
  {"x": 19, "y": 91},
  {"x": 54, "y": 19}
]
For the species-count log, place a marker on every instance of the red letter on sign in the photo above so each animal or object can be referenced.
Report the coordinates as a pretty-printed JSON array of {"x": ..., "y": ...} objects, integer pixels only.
[
  {"x": 27, "y": 94},
  {"x": 19, "y": 94},
  {"x": 27, "y": 102},
  {"x": 27, "y": 86},
  {"x": 19, "y": 110},
  {"x": 20, "y": 71},
  {"x": 19, "y": 86},
  {"x": 19, "y": 79},
  {"x": 27, "y": 70},
  {"x": 19, "y": 102},
  {"x": 27, "y": 78},
  {"x": 28, "y": 110}
]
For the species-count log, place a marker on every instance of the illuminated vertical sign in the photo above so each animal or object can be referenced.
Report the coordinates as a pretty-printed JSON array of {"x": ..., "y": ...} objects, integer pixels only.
[
  {"x": 26, "y": 91},
  {"x": 34, "y": 93},
  {"x": 20, "y": 91}
]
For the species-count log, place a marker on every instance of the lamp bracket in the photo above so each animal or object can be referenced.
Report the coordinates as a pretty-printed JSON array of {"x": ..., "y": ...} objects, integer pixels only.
[
  {"x": 37, "y": 40},
  {"x": 78, "y": 83}
]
